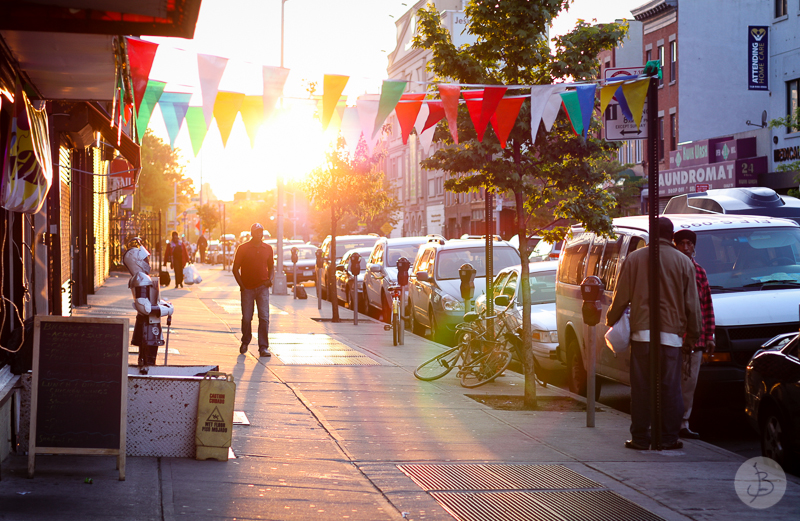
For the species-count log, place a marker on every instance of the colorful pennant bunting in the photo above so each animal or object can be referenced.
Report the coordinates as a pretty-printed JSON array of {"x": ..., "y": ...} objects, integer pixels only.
[
  {"x": 436, "y": 112},
  {"x": 173, "y": 109},
  {"x": 391, "y": 91},
  {"x": 407, "y": 110},
  {"x": 367, "y": 105},
  {"x": 210, "y": 69},
  {"x": 140, "y": 57},
  {"x": 586, "y": 101},
  {"x": 635, "y": 95},
  {"x": 450, "y": 95},
  {"x": 505, "y": 116},
  {"x": 196, "y": 124},
  {"x": 491, "y": 98},
  {"x": 225, "y": 109},
  {"x": 540, "y": 98},
  {"x": 606, "y": 95},
  {"x": 332, "y": 87},
  {"x": 474, "y": 100},
  {"x": 351, "y": 128},
  {"x": 552, "y": 107},
  {"x": 623, "y": 104},
  {"x": 252, "y": 111},
  {"x": 151, "y": 96},
  {"x": 572, "y": 106},
  {"x": 425, "y": 136},
  {"x": 274, "y": 80}
]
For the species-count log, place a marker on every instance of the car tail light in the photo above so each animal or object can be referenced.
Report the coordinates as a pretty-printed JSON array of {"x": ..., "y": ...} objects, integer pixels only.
[{"x": 716, "y": 357}]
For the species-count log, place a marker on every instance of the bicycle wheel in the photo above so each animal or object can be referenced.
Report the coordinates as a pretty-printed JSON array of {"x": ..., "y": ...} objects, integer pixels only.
[
  {"x": 395, "y": 327},
  {"x": 484, "y": 368},
  {"x": 439, "y": 365}
]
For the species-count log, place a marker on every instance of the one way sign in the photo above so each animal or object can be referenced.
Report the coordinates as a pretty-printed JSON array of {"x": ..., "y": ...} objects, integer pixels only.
[{"x": 618, "y": 127}]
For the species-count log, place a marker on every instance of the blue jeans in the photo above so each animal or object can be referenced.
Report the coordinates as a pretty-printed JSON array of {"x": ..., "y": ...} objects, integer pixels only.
[
  {"x": 250, "y": 298},
  {"x": 671, "y": 398}
]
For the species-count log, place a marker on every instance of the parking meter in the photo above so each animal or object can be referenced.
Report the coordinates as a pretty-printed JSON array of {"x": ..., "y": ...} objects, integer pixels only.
[
  {"x": 403, "y": 266},
  {"x": 467, "y": 274},
  {"x": 318, "y": 253},
  {"x": 591, "y": 289},
  {"x": 294, "y": 271},
  {"x": 294, "y": 254},
  {"x": 355, "y": 264}
]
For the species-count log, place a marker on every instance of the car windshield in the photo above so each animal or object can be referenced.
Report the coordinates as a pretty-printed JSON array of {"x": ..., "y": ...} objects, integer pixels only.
[
  {"x": 409, "y": 251},
  {"x": 449, "y": 261},
  {"x": 303, "y": 253},
  {"x": 344, "y": 245},
  {"x": 543, "y": 287},
  {"x": 750, "y": 259}
]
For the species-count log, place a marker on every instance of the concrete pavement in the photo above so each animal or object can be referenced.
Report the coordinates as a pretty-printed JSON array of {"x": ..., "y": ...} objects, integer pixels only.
[{"x": 341, "y": 429}]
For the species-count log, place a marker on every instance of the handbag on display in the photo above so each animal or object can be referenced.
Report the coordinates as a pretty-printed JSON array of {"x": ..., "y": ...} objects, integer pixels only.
[{"x": 618, "y": 338}]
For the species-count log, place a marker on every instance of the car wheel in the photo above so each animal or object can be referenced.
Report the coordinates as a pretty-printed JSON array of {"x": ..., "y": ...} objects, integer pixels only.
[
  {"x": 416, "y": 327},
  {"x": 542, "y": 374},
  {"x": 436, "y": 334},
  {"x": 576, "y": 374},
  {"x": 773, "y": 436},
  {"x": 323, "y": 288}
]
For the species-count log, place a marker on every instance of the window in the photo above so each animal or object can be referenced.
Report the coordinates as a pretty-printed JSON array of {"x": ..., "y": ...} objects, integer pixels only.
[
  {"x": 792, "y": 88},
  {"x": 498, "y": 283},
  {"x": 673, "y": 131},
  {"x": 780, "y": 8},
  {"x": 662, "y": 62},
  {"x": 660, "y": 139},
  {"x": 608, "y": 266},
  {"x": 673, "y": 61},
  {"x": 571, "y": 268},
  {"x": 648, "y": 55},
  {"x": 511, "y": 286},
  {"x": 595, "y": 253}
]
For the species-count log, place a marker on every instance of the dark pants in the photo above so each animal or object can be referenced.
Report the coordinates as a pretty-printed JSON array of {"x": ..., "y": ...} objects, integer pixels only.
[
  {"x": 178, "y": 274},
  {"x": 250, "y": 299},
  {"x": 671, "y": 399}
]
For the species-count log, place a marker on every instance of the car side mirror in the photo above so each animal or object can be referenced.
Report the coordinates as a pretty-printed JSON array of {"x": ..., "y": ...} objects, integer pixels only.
[
  {"x": 422, "y": 276},
  {"x": 502, "y": 301},
  {"x": 375, "y": 268}
]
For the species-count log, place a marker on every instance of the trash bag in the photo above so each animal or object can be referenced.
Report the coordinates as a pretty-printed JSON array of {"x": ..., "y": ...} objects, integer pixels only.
[
  {"x": 190, "y": 275},
  {"x": 618, "y": 338}
]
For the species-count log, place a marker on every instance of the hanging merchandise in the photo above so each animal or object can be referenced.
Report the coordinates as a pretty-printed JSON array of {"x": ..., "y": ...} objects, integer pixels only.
[{"x": 28, "y": 168}]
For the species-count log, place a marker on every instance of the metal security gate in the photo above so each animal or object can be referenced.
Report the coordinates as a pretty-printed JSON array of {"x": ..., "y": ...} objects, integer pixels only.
[{"x": 146, "y": 225}]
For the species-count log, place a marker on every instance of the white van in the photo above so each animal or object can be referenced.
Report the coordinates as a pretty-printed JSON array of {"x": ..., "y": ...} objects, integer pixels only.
[{"x": 753, "y": 266}]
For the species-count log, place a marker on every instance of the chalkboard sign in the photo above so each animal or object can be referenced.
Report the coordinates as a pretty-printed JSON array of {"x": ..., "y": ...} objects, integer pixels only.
[{"x": 80, "y": 384}]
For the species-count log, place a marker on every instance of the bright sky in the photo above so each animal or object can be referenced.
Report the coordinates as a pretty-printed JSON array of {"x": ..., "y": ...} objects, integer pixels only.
[{"x": 348, "y": 37}]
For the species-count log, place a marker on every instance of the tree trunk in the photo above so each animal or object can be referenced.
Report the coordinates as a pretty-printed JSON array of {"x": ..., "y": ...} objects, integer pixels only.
[
  {"x": 332, "y": 296},
  {"x": 527, "y": 347}
]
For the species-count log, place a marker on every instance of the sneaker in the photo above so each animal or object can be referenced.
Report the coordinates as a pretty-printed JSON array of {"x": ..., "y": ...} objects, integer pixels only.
[
  {"x": 243, "y": 349},
  {"x": 264, "y": 352},
  {"x": 630, "y": 444},
  {"x": 673, "y": 446}
]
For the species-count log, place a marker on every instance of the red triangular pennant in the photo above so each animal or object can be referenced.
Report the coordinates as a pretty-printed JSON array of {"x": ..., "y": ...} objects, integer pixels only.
[
  {"x": 449, "y": 95},
  {"x": 407, "y": 110},
  {"x": 436, "y": 114},
  {"x": 474, "y": 102},
  {"x": 491, "y": 98},
  {"x": 505, "y": 117},
  {"x": 140, "y": 56}
]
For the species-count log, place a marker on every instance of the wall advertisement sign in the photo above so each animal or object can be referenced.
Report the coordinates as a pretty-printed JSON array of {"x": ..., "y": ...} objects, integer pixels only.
[
  {"x": 727, "y": 174},
  {"x": 757, "y": 57}
]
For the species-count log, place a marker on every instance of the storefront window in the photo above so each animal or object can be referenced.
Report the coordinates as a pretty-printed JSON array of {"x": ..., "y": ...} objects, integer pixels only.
[{"x": 662, "y": 62}]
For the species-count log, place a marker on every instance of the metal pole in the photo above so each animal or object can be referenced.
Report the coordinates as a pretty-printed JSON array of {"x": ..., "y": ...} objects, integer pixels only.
[
  {"x": 591, "y": 348},
  {"x": 279, "y": 287},
  {"x": 318, "y": 287},
  {"x": 166, "y": 347},
  {"x": 355, "y": 300},
  {"x": 489, "y": 267},
  {"x": 294, "y": 280},
  {"x": 655, "y": 266},
  {"x": 402, "y": 335}
]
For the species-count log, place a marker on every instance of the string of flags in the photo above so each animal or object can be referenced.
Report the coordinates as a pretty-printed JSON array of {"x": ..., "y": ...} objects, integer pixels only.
[{"x": 487, "y": 104}]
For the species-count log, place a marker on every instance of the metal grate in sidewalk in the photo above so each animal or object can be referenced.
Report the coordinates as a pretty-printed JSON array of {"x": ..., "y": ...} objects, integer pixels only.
[
  {"x": 318, "y": 349},
  {"x": 500, "y": 492}
]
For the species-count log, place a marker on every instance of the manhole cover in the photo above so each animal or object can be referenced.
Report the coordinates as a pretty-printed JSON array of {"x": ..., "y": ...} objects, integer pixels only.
[
  {"x": 593, "y": 505},
  {"x": 496, "y": 477}
]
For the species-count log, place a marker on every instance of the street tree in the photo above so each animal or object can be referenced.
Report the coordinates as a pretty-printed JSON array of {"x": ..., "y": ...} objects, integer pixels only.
[
  {"x": 162, "y": 180},
  {"x": 347, "y": 186},
  {"x": 558, "y": 173},
  {"x": 209, "y": 216}
]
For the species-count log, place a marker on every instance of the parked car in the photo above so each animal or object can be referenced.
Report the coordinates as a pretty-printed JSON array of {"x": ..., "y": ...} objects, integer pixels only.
[
  {"x": 753, "y": 267},
  {"x": 772, "y": 398},
  {"x": 546, "y": 251},
  {"x": 382, "y": 271},
  {"x": 742, "y": 201},
  {"x": 213, "y": 252},
  {"x": 542, "y": 279},
  {"x": 306, "y": 262},
  {"x": 434, "y": 287},
  {"x": 344, "y": 279},
  {"x": 344, "y": 243}
]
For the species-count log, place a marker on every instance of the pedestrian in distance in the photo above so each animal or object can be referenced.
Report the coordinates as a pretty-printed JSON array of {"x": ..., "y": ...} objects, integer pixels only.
[
  {"x": 177, "y": 255},
  {"x": 679, "y": 310},
  {"x": 253, "y": 268},
  {"x": 202, "y": 245},
  {"x": 686, "y": 241}
]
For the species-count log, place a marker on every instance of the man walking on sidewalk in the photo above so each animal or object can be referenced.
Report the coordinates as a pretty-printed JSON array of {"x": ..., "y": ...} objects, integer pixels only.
[
  {"x": 680, "y": 315},
  {"x": 685, "y": 241},
  {"x": 253, "y": 269}
]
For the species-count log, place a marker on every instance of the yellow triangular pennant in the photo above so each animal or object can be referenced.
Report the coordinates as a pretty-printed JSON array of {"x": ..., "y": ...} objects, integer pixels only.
[
  {"x": 226, "y": 107},
  {"x": 606, "y": 94},
  {"x": 252, "y": 116},
  {"x": 636, "y": 93}
]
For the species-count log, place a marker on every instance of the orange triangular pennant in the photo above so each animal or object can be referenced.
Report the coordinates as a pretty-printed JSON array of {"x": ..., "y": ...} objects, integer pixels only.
[
  {"x": 449, "y": 95},
  {"x": 407, "y": 110},
  {"x": 505, "y": 116}
]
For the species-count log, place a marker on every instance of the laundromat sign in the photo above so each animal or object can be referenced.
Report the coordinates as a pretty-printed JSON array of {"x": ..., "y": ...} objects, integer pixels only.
[{"x": 711, "y": 163}]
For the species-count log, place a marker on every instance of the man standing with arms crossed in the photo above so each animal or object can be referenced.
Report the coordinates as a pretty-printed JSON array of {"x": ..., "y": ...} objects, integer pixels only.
[
  {"x": 253, "y": 270},
  {"x": 680, "y": 322},
  {"x": 685, "y": 241}
]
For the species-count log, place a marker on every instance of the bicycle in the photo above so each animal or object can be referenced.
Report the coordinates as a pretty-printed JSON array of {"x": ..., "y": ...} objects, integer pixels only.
[
  {"x": 441, "y": 364},
  {"x": 395, "y": 323}
]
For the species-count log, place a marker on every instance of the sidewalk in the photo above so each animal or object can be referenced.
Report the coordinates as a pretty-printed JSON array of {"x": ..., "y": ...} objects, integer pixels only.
[{"x": 338, "y": 424}]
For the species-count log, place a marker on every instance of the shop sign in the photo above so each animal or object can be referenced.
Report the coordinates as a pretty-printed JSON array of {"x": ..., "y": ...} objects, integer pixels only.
[
  {"x": 786, "y": 154},
  {"x": 690, "y": 154},
  {"x": 757, "y": 57},
  {"x": 728, "y": 174}
]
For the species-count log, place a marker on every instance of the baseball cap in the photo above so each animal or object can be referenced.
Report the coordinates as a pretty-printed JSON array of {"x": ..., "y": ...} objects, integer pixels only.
[{"x": 256, "y": 226}]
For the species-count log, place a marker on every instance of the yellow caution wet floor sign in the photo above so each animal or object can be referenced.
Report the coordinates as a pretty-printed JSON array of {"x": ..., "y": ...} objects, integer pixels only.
[{"x": 215, "y": 416}]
